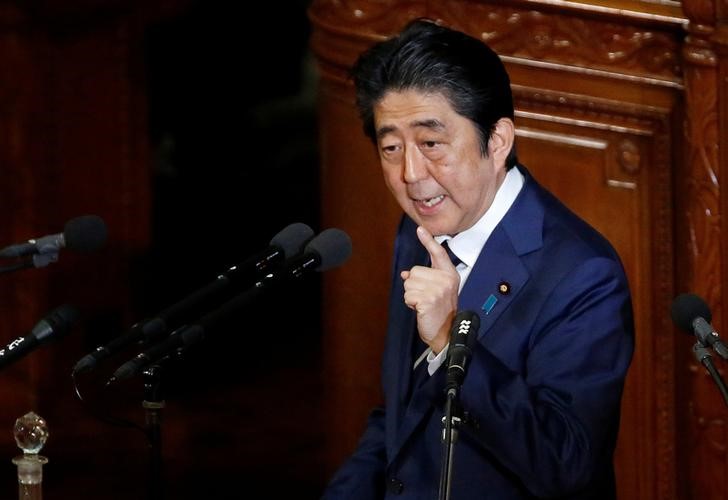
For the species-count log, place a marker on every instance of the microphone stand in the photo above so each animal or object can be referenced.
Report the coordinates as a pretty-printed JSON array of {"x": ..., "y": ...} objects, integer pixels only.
[
  {"x": 25, "y": 264},
  {"x": 37, "y": 260},
  {"x": 153, "y": 404},
  {"x": 451, "y": 422},
  {"x": 702, "y": 355}
]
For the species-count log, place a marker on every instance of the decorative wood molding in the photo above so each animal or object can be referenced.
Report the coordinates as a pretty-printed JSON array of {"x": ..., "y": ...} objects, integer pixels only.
[
  {"x": 700, "y": 11},
  {"x": 698, "y": 48},
  {"x": 629, "y": 157},
  {"x": 589, "y": 111},
  {"x": 370, "y": 19},
  {"x": 701, "y": 138},
  {"x": 569, "y": 139},
  {"x": 522, "y": 33},
  {"x": 543, "y": 36},
  {"x": 663, "y": 291},
  {"x": 703, "y": 249},
  {"x": 650, "y": 11}
]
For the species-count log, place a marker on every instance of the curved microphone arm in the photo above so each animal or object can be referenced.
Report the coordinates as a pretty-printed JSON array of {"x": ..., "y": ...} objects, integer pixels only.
[{"x": 702, "y": 355}]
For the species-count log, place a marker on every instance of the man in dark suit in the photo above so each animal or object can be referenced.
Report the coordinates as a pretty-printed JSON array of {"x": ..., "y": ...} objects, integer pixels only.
[{"x": 543, "y": 388}]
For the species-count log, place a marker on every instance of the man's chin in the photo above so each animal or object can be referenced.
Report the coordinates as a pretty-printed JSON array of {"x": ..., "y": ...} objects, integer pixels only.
[{"x": 436, "y": 228}]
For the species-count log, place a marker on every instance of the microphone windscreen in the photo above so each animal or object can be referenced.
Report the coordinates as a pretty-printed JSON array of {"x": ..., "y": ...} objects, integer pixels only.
[
  {"x": 63, "y": 317},
  {"x": 86, "y": 233},
  {"x": 292, "y": 238},
  {"x": 56, "y": 324},
  {"x": 333, "y": 246},
  {"x": 459, "y": 329},
  {"x": 686, "y": 307}
]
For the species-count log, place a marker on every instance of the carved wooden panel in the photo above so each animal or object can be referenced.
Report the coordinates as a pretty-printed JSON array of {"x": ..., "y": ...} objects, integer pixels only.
[
  {"x": 702, "y": 250},
  {"x": 609, "y": 162},
  {"x": 580, "y": 41}
]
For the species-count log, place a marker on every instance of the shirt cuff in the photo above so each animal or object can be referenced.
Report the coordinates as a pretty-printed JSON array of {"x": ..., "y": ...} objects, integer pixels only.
[{"x": 435, "y": 360}]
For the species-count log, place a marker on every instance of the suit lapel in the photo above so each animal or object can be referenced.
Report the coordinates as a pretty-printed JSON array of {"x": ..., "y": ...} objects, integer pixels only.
[
  {"x": 500, "y": 274},
  {"x": 495, "y": 281}
]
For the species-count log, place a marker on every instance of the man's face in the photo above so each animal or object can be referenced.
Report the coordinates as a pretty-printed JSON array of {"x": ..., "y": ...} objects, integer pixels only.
[{"x": 432, "y": 161}]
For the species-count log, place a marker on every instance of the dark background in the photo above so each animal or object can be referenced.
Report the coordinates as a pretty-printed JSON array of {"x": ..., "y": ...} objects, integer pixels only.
[
  {"x": 232, "y": 137},
  {"x": 233, "y": 130},
  {"x": 233, "y": 127}
]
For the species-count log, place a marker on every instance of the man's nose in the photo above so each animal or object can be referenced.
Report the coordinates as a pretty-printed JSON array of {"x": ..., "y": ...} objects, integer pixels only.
[{"x": 415, "y": 168}]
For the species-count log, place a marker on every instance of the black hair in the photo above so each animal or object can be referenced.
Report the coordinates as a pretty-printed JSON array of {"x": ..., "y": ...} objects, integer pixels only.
[{"x": 428, "y": 57}]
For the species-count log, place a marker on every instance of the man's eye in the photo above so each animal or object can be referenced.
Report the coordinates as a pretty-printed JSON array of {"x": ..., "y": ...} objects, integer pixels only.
[
  {"x": 429, "y": 144},
  {"x": 389, "y": 149}
]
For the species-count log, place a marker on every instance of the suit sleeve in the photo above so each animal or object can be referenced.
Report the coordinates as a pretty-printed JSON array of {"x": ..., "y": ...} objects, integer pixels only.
[
  {"x": 361, "y": 477},
  {"x": 553, "y": 420}
]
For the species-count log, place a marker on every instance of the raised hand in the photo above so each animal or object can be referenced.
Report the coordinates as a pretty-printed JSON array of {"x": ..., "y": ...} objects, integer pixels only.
[{"x": 433, "y": 293}]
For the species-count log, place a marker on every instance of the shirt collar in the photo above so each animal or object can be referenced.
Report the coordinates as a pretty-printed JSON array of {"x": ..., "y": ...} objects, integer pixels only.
[{"x": 468, "y": 244}]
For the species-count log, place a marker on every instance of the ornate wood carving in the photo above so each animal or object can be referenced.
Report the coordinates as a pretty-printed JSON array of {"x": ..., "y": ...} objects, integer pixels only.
[
  {"x": 629, "y": 156},
  {"x": 700, "y": 11},
  {"x": 527, "y": 33},
  {"x": 702, "y": 251},
  {"x": 663, "y": 292},
  {"x": 371, "y": 19},
  {"x": 545, "y": 36}
]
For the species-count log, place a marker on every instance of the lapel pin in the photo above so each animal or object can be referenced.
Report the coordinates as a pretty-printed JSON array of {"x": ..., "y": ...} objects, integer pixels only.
[
  {"x": 489, "y": 303},
  {"x": 504, "y": 288}
]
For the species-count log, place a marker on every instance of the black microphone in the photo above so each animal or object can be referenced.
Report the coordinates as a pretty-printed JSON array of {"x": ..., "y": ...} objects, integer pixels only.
[
  {"x": 85, "y": 234},
  {"x": 285, "y": 244},
  {"x": 55, "y": 325},
  {"x": 692, "y": 314},
  {"x": 463, "y": 333},
  {"x": 331, "y": 248}
]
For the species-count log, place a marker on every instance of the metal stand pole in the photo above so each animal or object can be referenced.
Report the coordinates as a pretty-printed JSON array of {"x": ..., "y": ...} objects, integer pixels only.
[
  {"x": 153, "y": 404},
  {"x": 451, "y": 422}
]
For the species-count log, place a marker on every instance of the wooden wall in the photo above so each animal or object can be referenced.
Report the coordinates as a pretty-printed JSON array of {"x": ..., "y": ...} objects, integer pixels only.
[{"x": 621, "y": 108}]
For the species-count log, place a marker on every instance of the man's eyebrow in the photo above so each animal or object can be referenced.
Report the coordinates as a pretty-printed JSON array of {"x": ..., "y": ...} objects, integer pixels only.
[
  {"x": 382, "y": 131},
  {"x": 430, "y": 123}
]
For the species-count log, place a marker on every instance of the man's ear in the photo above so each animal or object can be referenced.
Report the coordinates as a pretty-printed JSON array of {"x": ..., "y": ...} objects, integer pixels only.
[{"x": 501, "y": 140}]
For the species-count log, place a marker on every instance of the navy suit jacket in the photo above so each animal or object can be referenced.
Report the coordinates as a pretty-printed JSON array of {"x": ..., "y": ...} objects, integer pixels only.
[{"x": 543, "y": 388}]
